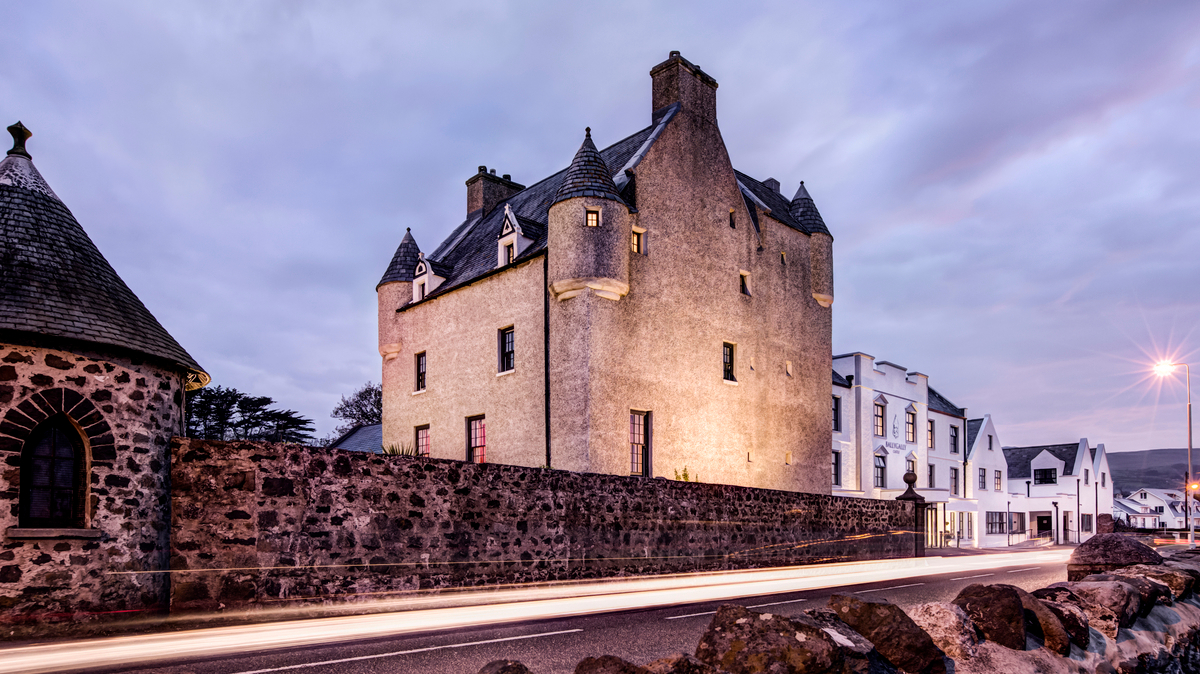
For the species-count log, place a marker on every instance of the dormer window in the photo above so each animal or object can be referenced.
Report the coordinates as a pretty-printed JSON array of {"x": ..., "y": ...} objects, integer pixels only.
[
  {"x": 592, "y": 218},
  {"x": 512, "y": 240},
  {"x": 510, "y": 253},
  {"x": 420, "y": 291},
  {"x": 425, "y": 279}
]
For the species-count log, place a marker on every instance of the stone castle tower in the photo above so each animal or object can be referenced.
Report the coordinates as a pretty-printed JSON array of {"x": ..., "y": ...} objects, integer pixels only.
[{"x": 646, "y": 309}]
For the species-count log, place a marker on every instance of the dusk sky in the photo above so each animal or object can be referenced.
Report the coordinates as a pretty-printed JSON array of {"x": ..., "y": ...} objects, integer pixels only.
[{"x": 1013, "y": 187}]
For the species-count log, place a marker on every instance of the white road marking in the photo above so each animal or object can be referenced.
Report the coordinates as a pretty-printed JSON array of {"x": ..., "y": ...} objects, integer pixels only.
[
  {"x": 894, "y": 587},
  {"x": 982, "y": 575},
  {"x": 690, "y": 615},
  {"x": 777, "y": 603},
  {"x": 1032, "y": 568},
  {"x": 415, "y": 650}
]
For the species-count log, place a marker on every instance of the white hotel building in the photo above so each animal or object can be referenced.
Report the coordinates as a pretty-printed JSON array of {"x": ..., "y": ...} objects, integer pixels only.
[{"x": 888, "y": 421}]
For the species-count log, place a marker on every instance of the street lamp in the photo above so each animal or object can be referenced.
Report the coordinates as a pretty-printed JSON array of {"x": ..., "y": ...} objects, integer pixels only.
[{"x": 1163, "y": 369}]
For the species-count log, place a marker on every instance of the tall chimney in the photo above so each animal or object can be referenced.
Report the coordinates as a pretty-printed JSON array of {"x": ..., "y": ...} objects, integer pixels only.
[
  {"x": 677, "y": 80},
  {"x": 486, "y": 190}
]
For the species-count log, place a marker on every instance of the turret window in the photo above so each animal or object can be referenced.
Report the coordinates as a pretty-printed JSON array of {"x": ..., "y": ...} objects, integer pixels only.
[
  {"x": 592, "y": 219},
  {"x": 636, "y": 242}
]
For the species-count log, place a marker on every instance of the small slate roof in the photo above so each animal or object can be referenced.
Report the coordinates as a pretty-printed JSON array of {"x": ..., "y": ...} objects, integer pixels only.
[
  {"x": 973, "y": 426},
  {"x": 588, "y": 175},
  {"x": 939, "y": 403},
  {"x": 469, "y": 252},
  {"x": 403, "y": 262},
  {"x": 1019, "y": 458},
  {"x": 839, "y": 380},
  {"x": 55, "y": 283},
  {"x": 362, "y": 438}
]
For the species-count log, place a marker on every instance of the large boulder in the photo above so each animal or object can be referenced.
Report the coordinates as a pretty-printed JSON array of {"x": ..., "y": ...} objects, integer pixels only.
[
  {"x": 740, "y": 641},
  {"x": 504, "y": 667},
  {"x": 997, "y": 613},
  {"x": 608, "y": 664},
  {"x": 1178, "y": 581},
  {"x": 1042, "y": 623},
  {"x": 894, "y": 634},
  {"x": 948, "y": 626},
  {"x": 1073, "y": 619},
  {"x": 861, "y": 656},
  {"x": 1150, "y": 592},
  {"x": 1109, "y": 605},
  {"x": 680, "y": 664},
  {"x": 1104, "y": 552}
]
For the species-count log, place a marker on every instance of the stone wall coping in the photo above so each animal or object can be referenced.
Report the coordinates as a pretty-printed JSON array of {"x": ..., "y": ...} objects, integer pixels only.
[{"x": 28, "y": 532}]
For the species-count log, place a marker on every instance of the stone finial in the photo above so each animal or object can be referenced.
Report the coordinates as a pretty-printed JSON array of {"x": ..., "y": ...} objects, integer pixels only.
[
  {"x": 587, "y": 132},
  {"x": 20, "y": 134}
]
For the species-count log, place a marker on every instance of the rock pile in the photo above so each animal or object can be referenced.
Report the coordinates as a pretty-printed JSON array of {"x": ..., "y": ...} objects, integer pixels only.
[{"x": 1069, "y": 627}]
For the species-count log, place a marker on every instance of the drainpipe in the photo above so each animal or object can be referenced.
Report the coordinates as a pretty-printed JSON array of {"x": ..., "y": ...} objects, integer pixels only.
[
  {"x": 1078, "y": 529},
  {"x": 1027, "y": 489},
  {"x": 1054, "y": 522},
  {"x": 1008, "y": 522}
]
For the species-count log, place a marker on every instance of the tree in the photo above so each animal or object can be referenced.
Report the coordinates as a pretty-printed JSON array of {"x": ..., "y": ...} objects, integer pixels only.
[
  {"x": 364, "y": 406},
  {"x": 219, "y": 413}
]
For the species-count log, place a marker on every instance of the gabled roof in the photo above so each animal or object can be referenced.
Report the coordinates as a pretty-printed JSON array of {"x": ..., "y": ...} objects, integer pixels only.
[
  {"x": 55, "y": 283},
  {"x": 403, "y": 262},
  {"x": 939, "y": 403},
  {"x": 588, "y": 175},
  {"x": 1019, "y": 458},
  {"x": 839, "y": 380}
]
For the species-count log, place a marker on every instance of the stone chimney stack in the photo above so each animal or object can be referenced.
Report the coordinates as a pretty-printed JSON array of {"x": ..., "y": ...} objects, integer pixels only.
[
  {"x": 486, "y": 190},
  {"x": 677, "y": 80}
]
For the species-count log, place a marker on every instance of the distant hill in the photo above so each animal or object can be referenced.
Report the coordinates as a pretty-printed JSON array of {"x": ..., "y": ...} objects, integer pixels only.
[{"x": 1153, "y": 468}]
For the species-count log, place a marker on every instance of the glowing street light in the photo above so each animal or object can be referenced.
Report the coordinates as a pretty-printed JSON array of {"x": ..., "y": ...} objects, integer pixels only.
[{"x": 1162, "y": 369}]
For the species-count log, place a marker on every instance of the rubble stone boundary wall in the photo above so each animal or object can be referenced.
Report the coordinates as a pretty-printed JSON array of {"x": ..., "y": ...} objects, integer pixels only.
[{"x": 280, "y": 525}]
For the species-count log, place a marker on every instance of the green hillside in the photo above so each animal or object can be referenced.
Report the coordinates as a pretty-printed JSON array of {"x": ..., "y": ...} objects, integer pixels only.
[{"x": 1154, "y": 468}]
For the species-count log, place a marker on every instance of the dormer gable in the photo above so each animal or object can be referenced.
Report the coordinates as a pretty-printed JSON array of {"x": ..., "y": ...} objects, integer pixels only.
[{"x": 512, "y": 240}]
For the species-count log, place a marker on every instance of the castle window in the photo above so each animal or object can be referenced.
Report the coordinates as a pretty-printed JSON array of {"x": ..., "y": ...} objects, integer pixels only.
[
  {"x": 782, "y": 257},
  {"x": 881, "y": 472},
  {"x": 52, "y": 484},
  {"x": 639, "y": 443},
  {"x": 837, "y": 414},
  {"x": 476, "y": 440},
  {"x": 422, "y": 440},
  {"x": 732, "y": 222},
  {"x": 999, "y": 480},
  {"x": 880, "y": 411},
  {"x": 593, "y": 218},
  {"x": 837, "y": 468},
  {"x": 910, "y": 426},
  {"x": 506, "y": 349},
  {"x": 727, "y": 362},
  {"x": 510, "y": 253},
  {"x": 636, "y": 242},
  {"x": 929, "y": 431},
  {"x": 932, "y": 477},
  {"x": 954, "y": 439},
  {"x": 744, "y": 282},
  {"x": 420, "y": 369}
]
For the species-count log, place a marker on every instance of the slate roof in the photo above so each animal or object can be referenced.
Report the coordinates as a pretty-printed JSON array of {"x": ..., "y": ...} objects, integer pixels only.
[
  {"x": 973, "y": 426},
  {"x": 839, "y": 380},
  {"x": 54, "y": 282},
  {"x": 801, "y": 215},
  {"x": 939, "y": 403},
  {"x": 1019, "y": 458},
  {"x": 470, "y": 250},
  {"x": 403, "y": 262},
  {"x": 361, "y": 438},
  {"x": 588, "y": 175}
]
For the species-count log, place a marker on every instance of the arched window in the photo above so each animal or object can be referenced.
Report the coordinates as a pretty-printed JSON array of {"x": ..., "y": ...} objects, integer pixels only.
[{"x": 52, "y": 465}]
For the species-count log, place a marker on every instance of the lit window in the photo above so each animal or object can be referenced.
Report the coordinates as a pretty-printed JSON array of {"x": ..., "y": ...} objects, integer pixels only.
[
  {"x": 593, "y": 218},
  {"x": 929, "y": 431},
  {"x": 727, "y": 361},
  {"x": 881, "y": 472},
  {"x": 954, "y": 439},
  {"x": 837, "y": 414},
  {"x": 510, "y": 253},
  {"x": 639, "y": 443},
  {"x": 636, "y": 243},
  {"x": 880, "y": 411},
  {"x": 999, "y": 480},
  {"x": 837, "y": 469},
  {"x": 910, "y": 426},
  {"x": 476, "y": 440},
  {"x": 954, "y": 481},
  {"x": 983, "y": 479},
  {"x": 420, "y": 367},
  {"x": 422, "y": 440},
  {"x": 507, "y": 350}
]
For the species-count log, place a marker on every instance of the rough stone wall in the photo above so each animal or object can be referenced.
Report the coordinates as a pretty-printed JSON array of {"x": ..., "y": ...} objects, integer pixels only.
[
  {"x": 126, "y": 411},
  {"x": 284, "y": 525}
]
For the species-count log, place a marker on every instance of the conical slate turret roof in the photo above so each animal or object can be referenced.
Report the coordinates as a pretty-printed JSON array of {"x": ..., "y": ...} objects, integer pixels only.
[
  {"x": 804, "y": 211},
  {"x": 55, "y": 283},
  {"x": 588, "y": 175},
  {"x": 403, "y": 262}
]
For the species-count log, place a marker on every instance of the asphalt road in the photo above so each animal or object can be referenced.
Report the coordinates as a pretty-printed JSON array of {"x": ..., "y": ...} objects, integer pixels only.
[{"x": 553, "y": 646}]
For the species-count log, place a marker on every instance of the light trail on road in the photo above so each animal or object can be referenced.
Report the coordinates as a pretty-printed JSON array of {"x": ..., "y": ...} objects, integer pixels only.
[{"x": 494, "y": 608}]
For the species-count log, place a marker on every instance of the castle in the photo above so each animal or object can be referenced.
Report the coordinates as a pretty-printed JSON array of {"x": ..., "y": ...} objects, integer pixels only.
[{"x": 647, "y": 309}]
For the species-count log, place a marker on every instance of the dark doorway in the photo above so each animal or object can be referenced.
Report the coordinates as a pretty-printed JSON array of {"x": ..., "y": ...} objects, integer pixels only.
[{"x": 1045, "y": 526}]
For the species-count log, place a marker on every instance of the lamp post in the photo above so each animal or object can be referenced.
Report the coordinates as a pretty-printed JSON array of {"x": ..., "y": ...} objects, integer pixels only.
[{"x": 1163, "y": 369}]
